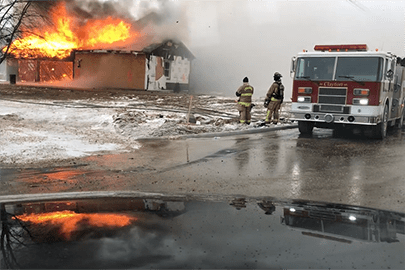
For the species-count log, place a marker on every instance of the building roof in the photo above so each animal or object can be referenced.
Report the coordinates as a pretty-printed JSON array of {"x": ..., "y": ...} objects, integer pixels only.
[
  {"x": 169, "y": 48},
  {"x": 166, "y": 49},
  {"x": 110, "y": 51}
]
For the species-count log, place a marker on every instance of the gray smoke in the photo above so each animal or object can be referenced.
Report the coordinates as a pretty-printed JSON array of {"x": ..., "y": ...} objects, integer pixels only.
[
  {"x": 156, "y": 20},
  {"x": 90, "y": 9},
  {"x": 234, "y": 39}
]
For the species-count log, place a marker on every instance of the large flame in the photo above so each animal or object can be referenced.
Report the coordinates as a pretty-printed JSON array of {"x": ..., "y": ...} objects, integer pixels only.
[
  {"x": 69, "y": 34},
  {"x": 69, "y": 221}
]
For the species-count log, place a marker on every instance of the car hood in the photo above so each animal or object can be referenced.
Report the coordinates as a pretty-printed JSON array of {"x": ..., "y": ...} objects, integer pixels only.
[{"x": 145, "y": 230}]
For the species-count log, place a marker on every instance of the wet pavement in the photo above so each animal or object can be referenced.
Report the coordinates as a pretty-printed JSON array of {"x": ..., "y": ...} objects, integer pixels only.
[
  {"x": 338, "y": 168},
  {"x": 115, "y": 231}
]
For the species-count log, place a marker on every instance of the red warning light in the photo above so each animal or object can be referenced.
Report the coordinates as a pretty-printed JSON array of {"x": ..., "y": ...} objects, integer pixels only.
[{"x": 348, "y": 47}]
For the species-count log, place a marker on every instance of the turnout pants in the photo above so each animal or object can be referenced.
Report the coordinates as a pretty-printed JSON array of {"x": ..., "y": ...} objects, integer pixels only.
[
  {"x": 273, "y": 111},
  {"x": 244, "y": 112}
]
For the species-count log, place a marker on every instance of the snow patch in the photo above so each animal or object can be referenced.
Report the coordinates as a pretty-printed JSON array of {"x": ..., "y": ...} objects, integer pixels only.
[{"x": 35, "y": 130}]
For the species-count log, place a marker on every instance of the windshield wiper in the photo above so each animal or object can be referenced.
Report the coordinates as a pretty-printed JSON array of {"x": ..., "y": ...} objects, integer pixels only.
[
  {"x": 305, "y": 77},
  {"x": 351, "y": 78}
]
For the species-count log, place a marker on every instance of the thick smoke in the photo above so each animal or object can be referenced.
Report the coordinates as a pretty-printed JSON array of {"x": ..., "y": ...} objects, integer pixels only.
[
  {"x": 155, "y": 20},
  {"x": 98, "y": 10},
  {"x": 234, "y": 39}
]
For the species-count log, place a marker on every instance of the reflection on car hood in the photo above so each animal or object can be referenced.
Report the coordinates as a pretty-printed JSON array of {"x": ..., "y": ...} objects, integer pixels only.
[{"x": 136, "y": 230}]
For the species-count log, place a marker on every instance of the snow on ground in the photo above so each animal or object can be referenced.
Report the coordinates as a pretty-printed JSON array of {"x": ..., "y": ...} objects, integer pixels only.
[{"x": 42, "y": 130}]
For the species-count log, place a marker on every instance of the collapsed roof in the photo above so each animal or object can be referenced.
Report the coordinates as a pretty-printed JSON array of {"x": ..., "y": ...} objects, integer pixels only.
[{"x": 169, "y": 48}]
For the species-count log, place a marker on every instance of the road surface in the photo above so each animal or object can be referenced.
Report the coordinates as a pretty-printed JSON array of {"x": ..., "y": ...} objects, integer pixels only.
[{"x": 326, "y": 167}]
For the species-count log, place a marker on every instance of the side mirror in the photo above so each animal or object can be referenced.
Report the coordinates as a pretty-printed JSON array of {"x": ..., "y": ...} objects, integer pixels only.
[
  {"x": 389, "y": 74},
  {"x": 293, "y": 66}
]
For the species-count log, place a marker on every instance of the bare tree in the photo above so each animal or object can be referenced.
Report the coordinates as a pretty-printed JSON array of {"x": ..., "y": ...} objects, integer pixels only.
[
  {"x": 14, "y": 236},
  {"x": 19, "y": 17},
  {"x": 12, "y": 14}
]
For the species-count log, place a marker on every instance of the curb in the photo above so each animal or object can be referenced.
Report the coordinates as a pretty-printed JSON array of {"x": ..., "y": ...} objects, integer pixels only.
[{"x": 222, "y": 134}]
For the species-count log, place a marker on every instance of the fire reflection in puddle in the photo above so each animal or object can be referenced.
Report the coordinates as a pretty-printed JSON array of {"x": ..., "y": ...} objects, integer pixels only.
[
  {"x": 68, "y": 222},
  {"x": 62, "y": 175}
]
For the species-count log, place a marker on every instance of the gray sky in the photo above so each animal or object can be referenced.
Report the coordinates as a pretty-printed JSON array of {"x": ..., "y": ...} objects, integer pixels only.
[{"x": 234, "y": 39}]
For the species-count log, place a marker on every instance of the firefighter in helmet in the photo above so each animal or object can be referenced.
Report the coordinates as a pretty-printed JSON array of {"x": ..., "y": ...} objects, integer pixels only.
[
  {"x": 274, "y": 99},
  {"x": 245, "y": 93},
  {"x": 267, "y": 206}
]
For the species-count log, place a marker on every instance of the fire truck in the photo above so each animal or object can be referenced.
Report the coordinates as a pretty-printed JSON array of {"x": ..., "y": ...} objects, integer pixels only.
[{"x": 340, "y": 86}]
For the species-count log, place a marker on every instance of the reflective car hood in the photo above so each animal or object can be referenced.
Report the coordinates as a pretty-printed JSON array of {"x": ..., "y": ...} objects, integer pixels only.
[{"x": 137, "y": 230}]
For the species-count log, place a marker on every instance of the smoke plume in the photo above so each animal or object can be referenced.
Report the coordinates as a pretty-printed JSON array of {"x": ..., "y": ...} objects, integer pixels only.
[{"x": 155, "y": 20}]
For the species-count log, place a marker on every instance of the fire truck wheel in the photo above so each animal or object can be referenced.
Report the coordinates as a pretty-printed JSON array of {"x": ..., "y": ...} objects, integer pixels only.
[
  {"x": 381, "y": 128},
  {"x": 305, "y": 127}
]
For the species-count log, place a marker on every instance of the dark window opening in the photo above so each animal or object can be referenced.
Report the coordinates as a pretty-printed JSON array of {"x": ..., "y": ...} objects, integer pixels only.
[{"x": 167, "y": 69}]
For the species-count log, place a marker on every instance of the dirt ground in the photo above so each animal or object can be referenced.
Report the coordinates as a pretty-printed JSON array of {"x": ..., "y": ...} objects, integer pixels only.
[
  {"x": 63, "y": 94},
  {"x": 51, "y": 126}
]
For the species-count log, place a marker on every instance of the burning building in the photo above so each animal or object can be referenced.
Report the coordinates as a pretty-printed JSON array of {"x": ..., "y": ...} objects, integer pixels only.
[
  {"x": 157, "y": 66},
  {"x": 108, "y": 52}
]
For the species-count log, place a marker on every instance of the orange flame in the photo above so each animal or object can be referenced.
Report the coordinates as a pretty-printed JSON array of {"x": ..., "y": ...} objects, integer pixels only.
[
  {"x": 69, "y": 220},
  {"x": 69, "y": 35},
  {"x": 107, "y": 31}
]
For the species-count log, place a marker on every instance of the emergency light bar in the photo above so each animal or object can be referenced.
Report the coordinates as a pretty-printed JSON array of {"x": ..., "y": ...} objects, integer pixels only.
[{"x": 345, "y": 48}]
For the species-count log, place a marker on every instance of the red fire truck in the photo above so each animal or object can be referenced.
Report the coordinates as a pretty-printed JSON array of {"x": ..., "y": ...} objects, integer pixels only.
[{"x": 339, "y": 86}]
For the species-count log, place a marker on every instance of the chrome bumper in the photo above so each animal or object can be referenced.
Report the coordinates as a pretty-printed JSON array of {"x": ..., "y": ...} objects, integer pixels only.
[{"x": 330, "y": 118}]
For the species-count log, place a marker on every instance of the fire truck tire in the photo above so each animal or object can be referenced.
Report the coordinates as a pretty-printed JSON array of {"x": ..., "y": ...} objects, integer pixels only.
[
  {"x": 305, "y": 127},
  {"x": 381, "y": 128}
]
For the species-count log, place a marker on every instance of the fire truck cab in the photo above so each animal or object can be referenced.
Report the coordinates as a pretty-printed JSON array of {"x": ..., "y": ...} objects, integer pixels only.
[{"x": 339, "y": 86}]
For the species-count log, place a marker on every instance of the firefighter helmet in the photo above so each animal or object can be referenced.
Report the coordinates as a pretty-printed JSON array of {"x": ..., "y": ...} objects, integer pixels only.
[
  {"x": 277, "y": 76},
  {"x": 246, "y": 79}
]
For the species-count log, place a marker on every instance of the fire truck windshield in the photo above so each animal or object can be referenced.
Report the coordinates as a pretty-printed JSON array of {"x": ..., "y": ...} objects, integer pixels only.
[
  {"x": 315, "y": 68},
  {"x": 359, "y": 68},
  {"x": 347, "y": 68}
]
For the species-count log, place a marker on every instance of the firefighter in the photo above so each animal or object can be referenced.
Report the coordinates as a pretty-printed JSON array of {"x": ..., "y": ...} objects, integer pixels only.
[
  {"x": 274, "y": 99},
  {"x": 245, "y": 93},
  {"x": 267, "y": 206}
]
